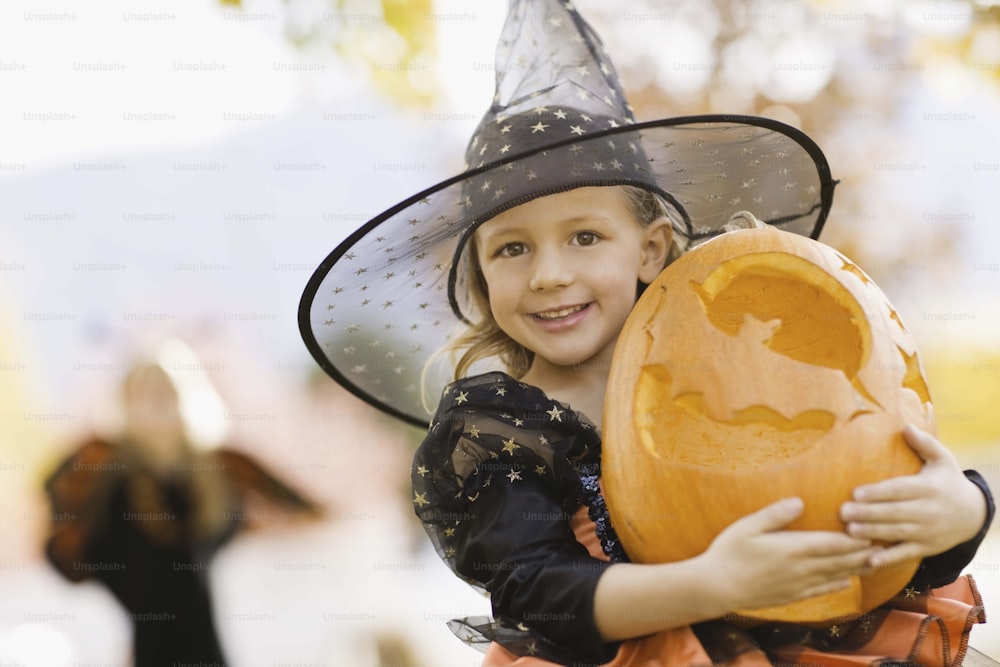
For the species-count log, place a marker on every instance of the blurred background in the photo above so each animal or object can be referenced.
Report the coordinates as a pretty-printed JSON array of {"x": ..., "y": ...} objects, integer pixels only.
[{"x": 178, "y": 169}]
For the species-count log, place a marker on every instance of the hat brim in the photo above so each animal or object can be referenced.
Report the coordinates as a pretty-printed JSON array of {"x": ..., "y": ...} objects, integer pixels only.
[{"x": 385, "y": 299}]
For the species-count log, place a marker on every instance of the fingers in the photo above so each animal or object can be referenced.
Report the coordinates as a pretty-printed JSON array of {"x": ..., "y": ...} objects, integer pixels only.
[
  {"x": 895, "y": 489},
  {"x": 823, "y": 589},
  {"x": 824, "y": 544},
  {"x": 833, "y": 572},
  {"x": 820, "y": 557},
  {"x": 896, "y": 554},
  {"x": 924, "y": 444},
  {"x": 805, "y": 590},
  {"x": 773, "y": 517},
  {"x": 886, "y": 512},
  {"x": 884, "y": 522},
  {"x": 886, "y": 532},
  {"x": 853, "y": 563}
]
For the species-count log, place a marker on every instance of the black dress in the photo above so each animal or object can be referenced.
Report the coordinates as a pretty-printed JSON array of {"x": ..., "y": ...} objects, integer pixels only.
[{"x": 163, "y": 583}]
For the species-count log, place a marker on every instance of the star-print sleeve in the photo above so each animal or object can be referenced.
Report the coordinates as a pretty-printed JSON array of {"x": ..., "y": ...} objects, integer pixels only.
[{"x": 495, "y": 484}]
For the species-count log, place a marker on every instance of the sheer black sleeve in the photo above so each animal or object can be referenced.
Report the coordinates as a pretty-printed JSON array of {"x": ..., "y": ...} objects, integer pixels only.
[
  {"x": 945, "y": 567},
  {"x": 495, "y": 484}
]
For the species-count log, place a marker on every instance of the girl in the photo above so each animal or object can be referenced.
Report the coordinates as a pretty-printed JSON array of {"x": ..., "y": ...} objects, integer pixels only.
[
  {"x": 567, "y": 209},
  {"x": 559, "y": 278}
]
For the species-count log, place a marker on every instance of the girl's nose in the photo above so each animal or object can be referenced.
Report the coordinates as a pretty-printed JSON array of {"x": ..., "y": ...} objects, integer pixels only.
[{"x": 550, "y": 270}]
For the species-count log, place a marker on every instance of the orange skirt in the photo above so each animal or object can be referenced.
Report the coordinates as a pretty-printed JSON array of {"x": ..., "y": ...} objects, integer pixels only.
[{"x": 928, "y": 629}]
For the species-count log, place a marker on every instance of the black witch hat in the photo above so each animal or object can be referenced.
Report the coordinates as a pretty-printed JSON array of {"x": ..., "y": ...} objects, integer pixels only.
[{"x": 387, "y": 298}]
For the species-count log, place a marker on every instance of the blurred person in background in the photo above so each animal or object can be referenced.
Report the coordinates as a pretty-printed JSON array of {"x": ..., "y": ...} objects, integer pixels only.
[{"x": 145, "y": 510}]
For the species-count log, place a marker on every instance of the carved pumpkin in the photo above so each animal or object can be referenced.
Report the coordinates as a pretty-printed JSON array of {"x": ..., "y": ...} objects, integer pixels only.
[{"x": 758, "y": 366}]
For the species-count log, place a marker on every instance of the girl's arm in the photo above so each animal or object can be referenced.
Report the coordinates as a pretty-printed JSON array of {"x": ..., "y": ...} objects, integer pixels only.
[
  {"x": 516, "y": 542},
  {"x": 751, "y": 564},
  {"x": 940, "y": 514}
]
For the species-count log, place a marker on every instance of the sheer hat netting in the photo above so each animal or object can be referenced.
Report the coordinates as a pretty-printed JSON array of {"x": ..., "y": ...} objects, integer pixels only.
[{"x": 393, "y": 292}]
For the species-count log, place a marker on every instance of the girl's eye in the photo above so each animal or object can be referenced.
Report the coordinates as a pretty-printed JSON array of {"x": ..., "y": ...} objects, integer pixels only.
[
  {"x": 586, "y": 238},
  {"x": 510, "y": 250}
]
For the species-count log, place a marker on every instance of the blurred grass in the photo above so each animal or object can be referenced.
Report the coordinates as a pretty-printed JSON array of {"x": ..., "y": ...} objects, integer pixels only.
[{"x": 965, "y": 388}]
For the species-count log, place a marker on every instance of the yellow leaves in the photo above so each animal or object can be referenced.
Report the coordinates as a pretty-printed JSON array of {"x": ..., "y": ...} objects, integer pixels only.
[
  {"x": 398, "y": 47},
  {"x": 410, "y": 80},
  {"x": 394, "y": 41},
  {"x": 965, "y": 385}
]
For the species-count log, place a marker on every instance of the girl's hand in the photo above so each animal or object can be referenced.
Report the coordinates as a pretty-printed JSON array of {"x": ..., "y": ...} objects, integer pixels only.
[
  {"x": 923, "y": 514},
  {"x": 756, "y": 564}
]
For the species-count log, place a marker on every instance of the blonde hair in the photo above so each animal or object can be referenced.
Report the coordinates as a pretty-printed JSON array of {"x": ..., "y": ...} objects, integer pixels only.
[{"x": 484, "y": 339}]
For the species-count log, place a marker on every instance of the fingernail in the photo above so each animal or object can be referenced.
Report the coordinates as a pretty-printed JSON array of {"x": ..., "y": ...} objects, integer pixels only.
[{"x": 791, "y": 503}]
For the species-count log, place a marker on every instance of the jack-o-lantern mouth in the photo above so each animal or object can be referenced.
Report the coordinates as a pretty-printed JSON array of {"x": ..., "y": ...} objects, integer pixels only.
[{"x": 756, "y": 437}]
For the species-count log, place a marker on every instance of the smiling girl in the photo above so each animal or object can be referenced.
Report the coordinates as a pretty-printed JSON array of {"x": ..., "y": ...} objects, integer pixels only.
[{"x": 528, "y": 523}]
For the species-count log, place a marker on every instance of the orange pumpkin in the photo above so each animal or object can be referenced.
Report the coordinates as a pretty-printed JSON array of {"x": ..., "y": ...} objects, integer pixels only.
[{"x": 758, "y": 366}]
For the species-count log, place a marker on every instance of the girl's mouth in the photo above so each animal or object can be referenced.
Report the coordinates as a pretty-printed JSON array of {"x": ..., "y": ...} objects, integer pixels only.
[{"x": 560, "y": 313}]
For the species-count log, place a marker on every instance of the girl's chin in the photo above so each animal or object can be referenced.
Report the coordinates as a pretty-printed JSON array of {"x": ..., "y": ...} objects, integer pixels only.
[{"x": 580, "y": 362}]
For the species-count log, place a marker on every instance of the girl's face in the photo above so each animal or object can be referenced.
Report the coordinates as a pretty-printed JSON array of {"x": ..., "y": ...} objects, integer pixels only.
[
  {"x": 562, "y": 272},
  {"x": 152, "y": 413}
]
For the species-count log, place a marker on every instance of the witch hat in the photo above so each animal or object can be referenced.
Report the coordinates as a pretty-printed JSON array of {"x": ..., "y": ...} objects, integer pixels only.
[{"x": 387, "y": 298}]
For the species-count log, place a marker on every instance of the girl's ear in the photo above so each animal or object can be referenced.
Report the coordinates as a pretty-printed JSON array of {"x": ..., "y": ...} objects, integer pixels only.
[{"x": 655, "y": 248}]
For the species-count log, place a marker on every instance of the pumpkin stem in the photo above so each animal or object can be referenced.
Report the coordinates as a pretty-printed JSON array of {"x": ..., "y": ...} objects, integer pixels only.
[{"x": 743, "y": 220}]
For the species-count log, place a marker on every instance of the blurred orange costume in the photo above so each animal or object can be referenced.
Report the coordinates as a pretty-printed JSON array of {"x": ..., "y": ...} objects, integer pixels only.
[{"x": 144, "y": 513}]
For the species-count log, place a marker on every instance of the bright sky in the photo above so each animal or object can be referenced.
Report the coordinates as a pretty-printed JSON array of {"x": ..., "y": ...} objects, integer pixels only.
[
  {"x": 93, "y": 80},
  {"x": 104, "y": 79},
  {"x": 89, "y": 67}
]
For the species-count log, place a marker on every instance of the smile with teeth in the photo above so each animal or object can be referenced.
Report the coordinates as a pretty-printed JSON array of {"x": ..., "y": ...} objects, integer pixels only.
[{"x": 557, "y": 314}]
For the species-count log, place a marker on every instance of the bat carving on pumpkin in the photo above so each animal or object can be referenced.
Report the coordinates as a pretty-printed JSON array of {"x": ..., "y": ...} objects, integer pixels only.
[{"x": 759, "y": 365}]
